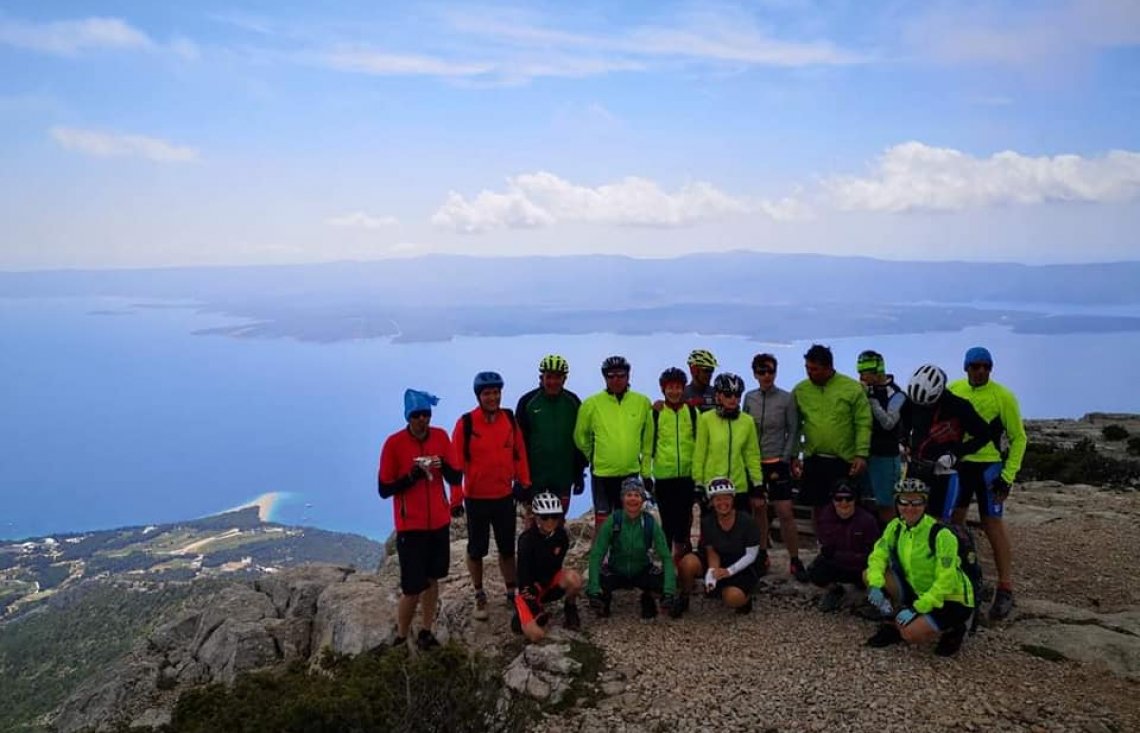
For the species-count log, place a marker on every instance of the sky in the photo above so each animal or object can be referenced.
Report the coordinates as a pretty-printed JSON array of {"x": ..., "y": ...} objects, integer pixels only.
[{"x": 141, "y": 134}]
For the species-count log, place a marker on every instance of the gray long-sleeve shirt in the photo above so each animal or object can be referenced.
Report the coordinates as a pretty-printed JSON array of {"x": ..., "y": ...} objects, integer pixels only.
[{"x": 777, "y": 421}]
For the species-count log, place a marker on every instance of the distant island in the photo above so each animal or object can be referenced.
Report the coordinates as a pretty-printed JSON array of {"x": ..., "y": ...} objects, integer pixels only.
[{"x": 755, "y": 295}]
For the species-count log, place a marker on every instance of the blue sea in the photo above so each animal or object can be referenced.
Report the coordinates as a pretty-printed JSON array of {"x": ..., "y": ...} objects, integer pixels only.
[{"x": 115, "y": 414}]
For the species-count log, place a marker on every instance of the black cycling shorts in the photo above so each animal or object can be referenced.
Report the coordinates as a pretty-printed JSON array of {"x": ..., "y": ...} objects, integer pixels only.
[
  {"x": 825, "y": 571},
  {"x": 482, "y": 516},
  {"x": 778, "y": 480},
  {"x": 821, "y": 474},
  {"x": 424, "y": 555},
  {"x": 650, "y": 579}
]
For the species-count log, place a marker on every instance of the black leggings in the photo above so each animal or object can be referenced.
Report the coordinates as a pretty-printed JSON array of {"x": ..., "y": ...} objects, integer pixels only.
[{"x": 675, "y": 498}]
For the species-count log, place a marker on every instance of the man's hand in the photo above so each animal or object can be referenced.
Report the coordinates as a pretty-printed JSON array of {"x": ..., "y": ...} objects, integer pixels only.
[
  {"x": 797, "y": 468},
  {"x": 520, "y": 493},
  {"x": 1000, "y": 487},
  {"x": 659, "y": 405},
  {"x": 858, "y": 466},
  {"x": 417, "y": 473}
]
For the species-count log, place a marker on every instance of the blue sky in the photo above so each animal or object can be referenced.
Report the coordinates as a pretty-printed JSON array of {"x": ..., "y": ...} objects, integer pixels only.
[{"x": 143, "y": 134}]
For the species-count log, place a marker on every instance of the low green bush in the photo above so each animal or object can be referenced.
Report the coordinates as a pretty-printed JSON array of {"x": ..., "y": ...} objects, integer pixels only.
[
  {"x": 1114, "y": 432},
  {"x": 1081, "y": 464}
]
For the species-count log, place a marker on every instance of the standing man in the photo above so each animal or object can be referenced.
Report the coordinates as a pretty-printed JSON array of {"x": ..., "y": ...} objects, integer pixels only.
[
  {"x": 413, "y": 465},
  {"x": 989, "y": 473},
  {"x": 492, "y": 456},
  {"x": 835, "y": 421},
  {"x": 608, "y": 432},
  {"x": 777, "y": 420},
  {"x": 700, "y": 393},
  {"x": 546, "y": 416},
  {"x": 884, "y": 468}
]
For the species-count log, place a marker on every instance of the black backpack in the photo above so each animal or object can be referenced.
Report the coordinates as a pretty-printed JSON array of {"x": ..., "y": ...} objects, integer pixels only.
[
  {"x": 967, "y": 557},
  {"x": 468, "y": 427}
]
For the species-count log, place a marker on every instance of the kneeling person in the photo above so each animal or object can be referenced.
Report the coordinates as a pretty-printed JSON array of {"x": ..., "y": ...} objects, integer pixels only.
[
  {"x": 847, "y": 534},
  {"x": 919, "y": 575},
  {"x": 730, "y": 542},
  {"x": 621, "y": 556},
  {"x": 542, "y": 579}
]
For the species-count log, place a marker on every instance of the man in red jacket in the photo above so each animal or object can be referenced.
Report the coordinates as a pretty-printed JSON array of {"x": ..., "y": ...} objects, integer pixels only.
[
  {"x": 413, "y": 465},
  {"x": 492, "y": 456}
]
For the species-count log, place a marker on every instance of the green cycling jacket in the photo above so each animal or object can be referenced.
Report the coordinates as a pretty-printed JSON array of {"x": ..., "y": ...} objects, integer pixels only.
[
  {"x": 998, "y": 407},
  {"x": 727, "y": 448},
  {"x": 835, "y": 419},
  {"x": 936, "y": 579},
  {"x": 628, "y": 554},
  {"x": 667, "y": 446},
  {"x": 608, "y": 432}
]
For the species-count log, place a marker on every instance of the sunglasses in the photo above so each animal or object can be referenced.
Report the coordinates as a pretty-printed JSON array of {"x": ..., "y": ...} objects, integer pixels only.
[
  {"x": 763, "y": 370},
  {"x": 910, "y": 502},
  {"x": 843, "y": 499},
  {"x": 419, "y": 414},
  {"x": 978, "y": 365},
  {"x": 617, "y": 375}
]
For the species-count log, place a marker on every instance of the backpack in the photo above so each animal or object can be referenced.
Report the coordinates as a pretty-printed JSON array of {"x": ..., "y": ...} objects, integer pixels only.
[
  {"x": 647, "y": 527},
  {"x": 967, "y": 558},
  {"x": 657, "y": 417},
  {"x": 468, "y": 427}
]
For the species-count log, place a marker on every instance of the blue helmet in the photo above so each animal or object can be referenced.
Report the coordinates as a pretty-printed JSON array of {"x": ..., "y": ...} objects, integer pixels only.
[
  {"x": 487, "y": 380},
  {"x": 977, "y": 355}
]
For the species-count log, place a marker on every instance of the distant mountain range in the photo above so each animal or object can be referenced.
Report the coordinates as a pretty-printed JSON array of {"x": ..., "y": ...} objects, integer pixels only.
[{"x": 770, "y": 296}]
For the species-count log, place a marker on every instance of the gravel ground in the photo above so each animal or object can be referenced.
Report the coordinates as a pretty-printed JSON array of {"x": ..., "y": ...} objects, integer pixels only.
[{"x": 788, "y": 667}]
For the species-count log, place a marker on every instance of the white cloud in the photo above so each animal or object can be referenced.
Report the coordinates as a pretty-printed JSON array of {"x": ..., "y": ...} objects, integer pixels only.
[
  {"x": 361, "y": 220},
  {"x": 542, "y": 199},
  {"x": 69, "y": 37},
  {"x": 109, "y": 145},
  {"x": 914, "y": 176},
  {"x": 369, "y": 61}
]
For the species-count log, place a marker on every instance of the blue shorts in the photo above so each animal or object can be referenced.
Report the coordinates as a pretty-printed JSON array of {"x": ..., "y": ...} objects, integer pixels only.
[
  {"x": 883, "y": 473},
  {"x": 977, "y": 480}
]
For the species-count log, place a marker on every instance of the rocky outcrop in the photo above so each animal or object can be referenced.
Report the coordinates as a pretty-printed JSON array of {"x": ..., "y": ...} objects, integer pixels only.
[{"x": 1059, "y": 631}]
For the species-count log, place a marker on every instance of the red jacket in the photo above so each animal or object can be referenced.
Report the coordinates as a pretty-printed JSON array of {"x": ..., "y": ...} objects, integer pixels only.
[
  {"x": 498, "y": 457},
  {"x": 423, "y": 504}
]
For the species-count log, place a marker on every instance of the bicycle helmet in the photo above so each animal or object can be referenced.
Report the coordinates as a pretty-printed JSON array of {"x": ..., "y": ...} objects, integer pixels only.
[
  {"x": 871, "y": 361},
  {"x": 977, "y": 355},
  {"x": 926, "y": 385},
  {"x": 720, "y": 485},
  {"x": 673, "y": 374},
  {"x": 615, "y": 364},
  {"x": 555, "y": 364},
  {"x": 546, "y": 504},
  {"x": 633, "y": 483},
  {"x": 487, "y": 380},
  {"x": 728, "y": 383},
  {"x": 702, "y": 358},
  {"x": 912, "y": 486}
]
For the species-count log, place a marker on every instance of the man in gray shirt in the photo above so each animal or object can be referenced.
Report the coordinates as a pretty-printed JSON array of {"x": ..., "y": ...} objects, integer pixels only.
[{"x": 777, "y": 421}]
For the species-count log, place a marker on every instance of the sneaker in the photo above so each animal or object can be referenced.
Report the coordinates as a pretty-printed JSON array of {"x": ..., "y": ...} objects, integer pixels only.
[
  {"x": 680, "y": 605},
  {"x": 746, "y": 608},
  {"x": 798, "y": 570},
  {"x": 480, "y": 613},
  {"x": 1003, "y": 604},
  {"x": 950, "y": 642},
  {"x": 572, "y": 621},
  {"x": 886, "y": 635},
  {"x": 426, "y": 641},
  {"x": 832, "y": 599},
  {"x": 648, "y": 606}
]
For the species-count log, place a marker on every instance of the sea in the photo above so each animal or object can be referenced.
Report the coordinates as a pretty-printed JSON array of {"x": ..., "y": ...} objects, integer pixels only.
[{"x": 115, "y": 413}]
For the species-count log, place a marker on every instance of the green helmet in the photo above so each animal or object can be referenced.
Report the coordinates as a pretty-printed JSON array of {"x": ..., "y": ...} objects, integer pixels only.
[
  {"x": 871, "y": 361},
  {"x": 702, "y": 358},
  {"x": 554, "y": 363}
]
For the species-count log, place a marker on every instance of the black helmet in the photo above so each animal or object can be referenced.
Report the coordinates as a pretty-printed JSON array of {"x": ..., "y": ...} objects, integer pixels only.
[
  {"x": 615, "y": 364},
  {"x": 673, "y": 374},
  {"x": 728, "y": 383}
]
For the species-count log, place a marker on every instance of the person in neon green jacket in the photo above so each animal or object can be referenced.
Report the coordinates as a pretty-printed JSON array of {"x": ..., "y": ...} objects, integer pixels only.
[
  {"x": 984, "y": 474},
  {"x": 928, "y": 595},
  {"x": 608, "y": 431},
  {"x": 727, "y": 445},
  {"x": 667, "y": 441}
]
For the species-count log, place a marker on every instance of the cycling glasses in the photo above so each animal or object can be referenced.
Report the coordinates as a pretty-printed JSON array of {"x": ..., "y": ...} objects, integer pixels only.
[
  {"x": 764, "y": 370},
  {"x": 846, "y": 499},
  {"x": 419, "y": 414},
  {"x": 910, "y": 502},
  {"x": 979, "y": 365}
]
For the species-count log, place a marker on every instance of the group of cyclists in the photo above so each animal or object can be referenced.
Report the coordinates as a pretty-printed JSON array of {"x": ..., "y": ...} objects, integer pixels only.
[{"x": 706, "y": 447}]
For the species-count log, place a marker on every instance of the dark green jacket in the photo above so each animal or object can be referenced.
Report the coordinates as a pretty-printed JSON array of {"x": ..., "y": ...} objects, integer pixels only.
[{"x": 547, "y": 425}]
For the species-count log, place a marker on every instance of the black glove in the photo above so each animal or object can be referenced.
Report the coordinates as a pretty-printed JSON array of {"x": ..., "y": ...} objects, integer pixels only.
[
  {"x": 457, "y": 511},
  {"x": 418, "y": 472},
  {"x": 758, "y": 491},
  {"x": 579, "y": 486},
  {"x": 648, "y": 483},
  {"x": 1000, "y": 487},
  {"x": 520, "y": 492}
]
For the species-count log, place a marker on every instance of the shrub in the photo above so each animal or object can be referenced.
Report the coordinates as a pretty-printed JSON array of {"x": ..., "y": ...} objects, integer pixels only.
[
  {"x": 1114, "y": 432},
  {"x": 1081, "y": 464},
  {"x": 446, "y": 690}
]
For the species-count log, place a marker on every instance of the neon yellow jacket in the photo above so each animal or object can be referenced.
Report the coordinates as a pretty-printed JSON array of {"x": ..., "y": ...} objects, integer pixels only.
[
  {"x": 608, "y": 432},
  {"x": 727, "y": 448},
  {"x": 835, "y": 419},
  {"x": 675, "y": 435},
  {"x": 998, "y": 407},
  {"x": 935, "y": 578}
]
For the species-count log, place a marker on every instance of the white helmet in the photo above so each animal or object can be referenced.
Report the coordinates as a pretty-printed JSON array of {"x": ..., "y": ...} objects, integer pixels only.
[
  {"x": 926, "y": 385},
  {"x": 720, "y": 485},
  {"x": 546, "y": 504}
]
